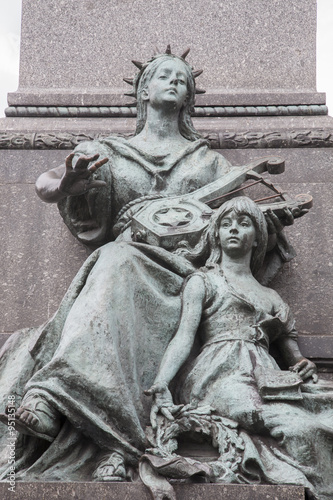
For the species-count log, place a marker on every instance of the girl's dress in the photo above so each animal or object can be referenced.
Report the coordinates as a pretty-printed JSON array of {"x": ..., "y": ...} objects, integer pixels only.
[{"x": 288, "y": 432}]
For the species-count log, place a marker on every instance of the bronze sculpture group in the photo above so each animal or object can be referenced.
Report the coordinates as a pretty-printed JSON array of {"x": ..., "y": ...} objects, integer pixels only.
[{"x": 190, "y": 327}]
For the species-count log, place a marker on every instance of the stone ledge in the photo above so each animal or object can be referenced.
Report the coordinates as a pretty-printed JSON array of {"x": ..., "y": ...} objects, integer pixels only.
[
  {"x": 109, "y": 126},
  {"x": 107, "y": 97},
  {"x": 137, "y": 491}
]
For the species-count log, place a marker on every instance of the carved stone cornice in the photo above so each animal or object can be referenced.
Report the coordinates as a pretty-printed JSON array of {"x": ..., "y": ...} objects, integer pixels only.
[{"x": 314, "y": 138}]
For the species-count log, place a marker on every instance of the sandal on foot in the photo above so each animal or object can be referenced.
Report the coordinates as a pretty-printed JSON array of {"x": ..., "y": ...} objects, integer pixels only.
[
  {"x": 111, "y": 468},
  {"x": 44, "y": 419}
]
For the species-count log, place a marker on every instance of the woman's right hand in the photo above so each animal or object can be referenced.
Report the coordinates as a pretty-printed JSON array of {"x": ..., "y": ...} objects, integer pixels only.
[
  {"x": 162, "y": 402},
  {"x": 78, "y": 179}
]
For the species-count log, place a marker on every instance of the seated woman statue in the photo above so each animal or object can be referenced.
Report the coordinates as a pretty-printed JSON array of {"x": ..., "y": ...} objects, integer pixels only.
[
  {"x": 285, "y": 419},
  {"x": 79, "y": 379}
]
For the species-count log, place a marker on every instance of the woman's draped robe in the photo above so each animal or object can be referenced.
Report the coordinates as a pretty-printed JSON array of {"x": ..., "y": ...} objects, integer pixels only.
[{"x": 94, "y": 358}]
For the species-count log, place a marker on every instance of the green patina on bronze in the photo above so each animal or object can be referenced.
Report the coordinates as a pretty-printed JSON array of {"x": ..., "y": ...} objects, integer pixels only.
[{"x": 135, "y": 311}]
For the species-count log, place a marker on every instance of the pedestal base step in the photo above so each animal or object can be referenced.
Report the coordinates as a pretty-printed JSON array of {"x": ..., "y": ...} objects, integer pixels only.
[{"x": 137, "y": 491}]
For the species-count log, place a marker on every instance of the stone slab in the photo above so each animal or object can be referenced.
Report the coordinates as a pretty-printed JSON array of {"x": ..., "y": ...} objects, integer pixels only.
[
  {"x": 131, "y": 491},
  {"x": 67, "y": 98},
  {"x": 304, "y": 164},
  {"x": 317, "y": 346},
  {"x": 60, "y": 41},
  {"x": 127, "y": 125},
  {"x": 39, "y": 255}
]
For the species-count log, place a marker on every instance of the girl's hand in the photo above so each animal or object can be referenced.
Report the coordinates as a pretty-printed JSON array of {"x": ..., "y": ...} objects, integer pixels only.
[
  {"x": 162, "y": 402},
  {"x": 305, "y": 369}
]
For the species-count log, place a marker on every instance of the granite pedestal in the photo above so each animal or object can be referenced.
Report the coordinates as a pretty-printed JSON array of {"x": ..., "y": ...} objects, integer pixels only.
[{"x": 131, "y": 491}]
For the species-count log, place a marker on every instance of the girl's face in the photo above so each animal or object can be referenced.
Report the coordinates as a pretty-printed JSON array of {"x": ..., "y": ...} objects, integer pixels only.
[
  {"x": 237, "y": 234},
  {"x": 168, "y": 85}
]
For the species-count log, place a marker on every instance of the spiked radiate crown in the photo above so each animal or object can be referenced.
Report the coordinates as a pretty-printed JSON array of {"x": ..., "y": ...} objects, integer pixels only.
[{"x": 142, "y": 66}]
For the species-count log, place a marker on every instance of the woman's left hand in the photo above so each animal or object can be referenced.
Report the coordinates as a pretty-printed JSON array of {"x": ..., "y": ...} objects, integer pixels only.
[
  {"x": 275, "y": 224},
  {"x": 305, "y": 369},
  {"x": 162, "y": 402}
]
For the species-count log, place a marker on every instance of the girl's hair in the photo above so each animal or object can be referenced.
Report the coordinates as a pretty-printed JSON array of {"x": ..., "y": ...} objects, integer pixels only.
[
  {"x": 185, "y": 124},
  {"x": 209, "y": 246}
]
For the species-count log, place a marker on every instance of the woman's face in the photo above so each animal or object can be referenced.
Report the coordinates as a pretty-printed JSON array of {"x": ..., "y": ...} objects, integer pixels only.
[
  {"x": 237, "y": 234},
  {"x": 168, "y": 85}
]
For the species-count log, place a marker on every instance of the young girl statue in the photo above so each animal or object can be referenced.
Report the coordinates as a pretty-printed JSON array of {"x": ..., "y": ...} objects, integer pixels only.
[{"x": 287, "y": 435}]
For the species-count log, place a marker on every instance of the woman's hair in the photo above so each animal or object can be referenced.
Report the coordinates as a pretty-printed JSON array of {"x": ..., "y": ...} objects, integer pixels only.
[
  {"x": 210, "y": 247},
  {"x": 185, "y": 124}
]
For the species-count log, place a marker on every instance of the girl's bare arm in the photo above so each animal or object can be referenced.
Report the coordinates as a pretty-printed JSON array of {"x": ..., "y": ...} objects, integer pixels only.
[{"x": 180, "y": 347}]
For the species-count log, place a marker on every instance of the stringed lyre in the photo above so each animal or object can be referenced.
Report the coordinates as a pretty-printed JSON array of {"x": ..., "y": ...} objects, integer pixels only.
[{"x": 169, "y": 221}]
